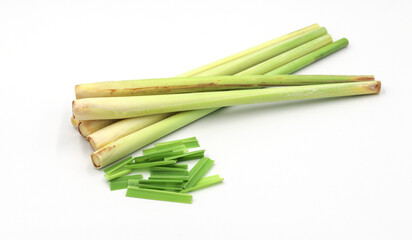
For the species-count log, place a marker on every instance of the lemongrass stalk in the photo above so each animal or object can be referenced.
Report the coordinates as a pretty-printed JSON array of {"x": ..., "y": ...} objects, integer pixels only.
[
  {"x": 164, "y": 188},
  {"x": 227, "y": 60},
  {"x": 293, "y": 54},
  {"x": 310, "y": 58},
  {"x": 87, "y": 127},
  {"x": 233, "y": 57},
  {"x": 264, "y": 54},
  {"x": 122, "y": 128},
  {"x": 248, "y": 51},
  {"x": 132, "y": 142},
  {"x": 74, "y": 122},
  {"x": 126, "y": 107},
  {"x": 136, "y": 140}
]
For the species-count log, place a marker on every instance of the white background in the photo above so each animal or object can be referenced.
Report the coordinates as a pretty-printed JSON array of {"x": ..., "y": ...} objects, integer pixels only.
[{"x": 322, "y": 169}]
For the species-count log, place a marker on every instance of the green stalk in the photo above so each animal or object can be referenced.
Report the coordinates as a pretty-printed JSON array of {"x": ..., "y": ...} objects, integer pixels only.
[
  {"x": 160, "y": 181},
  {"x": 136, "y": 140},
  {"x": 168, "y": 169},
  {"x": 123, "y": 182},
  {"x": 310, "y": 58},
  {"x": 127, "y": 107},
  {"x": 119, "y": 129},
  {"x": 153, "y": 194},
  {"x": 264, "y": 54},
  {"x": 286, "y": 57},
  {"x": 187, "y": 156},
  {"x": 248, "y": 51}
]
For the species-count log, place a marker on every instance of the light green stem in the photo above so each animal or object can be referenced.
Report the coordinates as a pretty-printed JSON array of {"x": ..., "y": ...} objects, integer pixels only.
[{"x": 249, "y": 51}]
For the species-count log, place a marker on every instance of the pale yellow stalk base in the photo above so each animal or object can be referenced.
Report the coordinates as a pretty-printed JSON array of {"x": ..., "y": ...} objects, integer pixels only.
[
  {"x": 87, "y": 127},
  {"x": 122, "y": 128}
]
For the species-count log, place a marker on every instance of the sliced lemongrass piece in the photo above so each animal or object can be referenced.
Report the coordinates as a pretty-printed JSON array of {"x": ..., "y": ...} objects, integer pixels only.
[
  {"x": 184, "y": 166},
  {"x": 126, "y": 178},
  {"x": 87, "y": 127},
  {"x": 187, "y": 156},
  {"x": 116, "y": 130},
  {"x": 248, "y": 51},
  {"x": 168, "y": 169},
  {"x": 179, "y": 148},
  {"x": 161, "y": 181},
  {"x": 118, "y": 165},
  {"x": 118, "y": 173},
  {"x": 286, "y": 57},
  {"x": 204, "y": 182},
  {"x": 264, "y": 54},
  {"x": 191, "y": 142},
  {"x": 153, "y": 194},
  {"x": 122, "y": 182},
  {"x": 165, "y": 174},
  {"x": 198, "y": 171},
  {"x": 133, "y": 182},
  {"x": 149, "y": 164},
  {"x": 158, "y": 177},
  {"x": 165, "y": 188}
]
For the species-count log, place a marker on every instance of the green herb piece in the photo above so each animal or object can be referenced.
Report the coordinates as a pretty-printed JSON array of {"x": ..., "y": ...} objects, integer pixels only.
[
  {"x": 163, "y": 155},
  {"x": 166, "y": 174},
  {"x": 160, "y": 181},
  {"x": 203, "y": 183},
  {"x": 122, "y": 182},
  {"x": 133, "y": 182},
  {"x": 149, "y": 164},
  {"x": 118, "y": 165},
  {"x": 164, "y": 149},
  {"x": 177, "y": 177},
  {"x": 184, "y": 166},
  {"x": 198, "y": 171},
  {"x": 188, "y": 156},
  {"x": 167, "y": 188},
  {"x": 188, "y": 142},
  {"x": 168, "y": 169},
  {"x": 117, "y": 173},
  {"x": 153, "y": 194}
]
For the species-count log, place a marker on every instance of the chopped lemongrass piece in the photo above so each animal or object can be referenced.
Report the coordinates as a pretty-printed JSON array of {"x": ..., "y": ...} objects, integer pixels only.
[
  {"x": 170, "y": 175},
  {"x": 138, "y": 139},
  {"x": 180, "y": 148},
  {"x": 163, "y": 155},
  {"x": 122, "y": 182},
  {"x": 158, "y": 181},
  {"x": 198, "y": 171},
  {"x": 187, "y": 156},
  {"x": 118, "y": 173},
  {"x": 126, "y": 178},
  {"x": 310, "y": 58},
  {"x": 118, "y": 165},
  {"x": 166, "y": 188},
  {"x": 188, "y": 142},
  {"x": 204, "y": 182},
  {"x": 168, "y": 169},
  {"x": 149, "y": 164},
  {"x": 153, "y": 194},
  {"x": 184, "y": 166},
  {"x": 133, "y": 182}
]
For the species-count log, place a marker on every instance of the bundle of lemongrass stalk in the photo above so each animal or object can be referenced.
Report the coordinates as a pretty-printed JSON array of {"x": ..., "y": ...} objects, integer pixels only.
[{"x": 120, "y": 117}]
